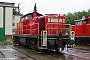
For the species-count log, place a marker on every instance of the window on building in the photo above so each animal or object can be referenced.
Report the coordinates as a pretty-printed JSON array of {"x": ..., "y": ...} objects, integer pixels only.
[
  {"x": 12, "y": 30},
  {"x": 13, "y": 24},
  {"x": 13, "y": 17}
]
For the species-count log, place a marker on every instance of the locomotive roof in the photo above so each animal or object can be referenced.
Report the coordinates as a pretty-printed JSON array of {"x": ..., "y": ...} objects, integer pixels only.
[
  {"x": 76, "y": 20},
  {"x": 57, "y": 15},
  {"x": 51, "y": 14},
  {"x": 38, "y": 14},
  {"x": 81, "y": 19}
]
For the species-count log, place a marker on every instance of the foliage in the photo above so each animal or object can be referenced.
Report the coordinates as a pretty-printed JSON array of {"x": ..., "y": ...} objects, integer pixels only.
[
  {"x": 70, "y": 17},
  {"x": 15, "y": 12},
  {"x": 6, "y": 42},
  {"x": 35, "y": 8},
  {"x": 9, "y": 42},
  {"x": 1, "y": 42}
]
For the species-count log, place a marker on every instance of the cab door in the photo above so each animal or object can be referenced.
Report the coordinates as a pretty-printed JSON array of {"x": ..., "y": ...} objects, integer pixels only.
[{"x": 41, "y": 25}]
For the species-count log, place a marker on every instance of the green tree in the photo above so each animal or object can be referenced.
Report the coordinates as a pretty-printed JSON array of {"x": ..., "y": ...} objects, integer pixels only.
[
  {"x": 70, "y": 17},
  {"x": 15, "y": 12},
  {"x": 35, "y": 8}
]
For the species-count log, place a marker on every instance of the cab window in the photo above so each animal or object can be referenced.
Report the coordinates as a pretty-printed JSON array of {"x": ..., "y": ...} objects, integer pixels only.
[
  {"x": 85, "y": 21},
  {"x": 28, "y": 17},
  {"x": 78, "y": 23},
  {"x": 21, "y": 19},
  {"x": 56, "y": 20}
]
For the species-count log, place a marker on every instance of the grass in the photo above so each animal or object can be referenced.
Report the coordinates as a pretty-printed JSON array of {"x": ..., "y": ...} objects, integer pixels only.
[{"x": 6, "y": 42}]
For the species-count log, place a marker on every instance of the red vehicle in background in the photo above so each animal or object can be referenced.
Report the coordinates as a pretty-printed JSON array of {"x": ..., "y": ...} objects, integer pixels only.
[
  {"x": 82, "y": 30},
  {"x": 43, "y": 31}
]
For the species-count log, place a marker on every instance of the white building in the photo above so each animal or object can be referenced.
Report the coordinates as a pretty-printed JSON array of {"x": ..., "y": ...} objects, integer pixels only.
[
  {"x": 6, "y": 13},
  {"x": 16, "y": 19}
]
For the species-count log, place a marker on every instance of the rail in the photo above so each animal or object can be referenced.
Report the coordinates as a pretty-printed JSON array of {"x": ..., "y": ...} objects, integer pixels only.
[
  {"x": 3, "y": 56},
  {"x": 23, "y": 53}
]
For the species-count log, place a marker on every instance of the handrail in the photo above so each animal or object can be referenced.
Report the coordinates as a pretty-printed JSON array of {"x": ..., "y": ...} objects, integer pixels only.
[
  {"x": 57, "y": 28},
  {"x": 37, "y": 28}
]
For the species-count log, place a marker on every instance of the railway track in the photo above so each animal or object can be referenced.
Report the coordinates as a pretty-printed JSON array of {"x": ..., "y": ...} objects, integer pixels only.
[
  {"x": 23, "y": 53},
  {"x": 3, "y": 56},
  {"x": 81, "y": 51},
  {"x": 67, "y": 53}
]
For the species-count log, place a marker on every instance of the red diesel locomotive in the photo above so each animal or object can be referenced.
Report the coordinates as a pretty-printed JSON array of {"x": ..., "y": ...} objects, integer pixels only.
[
  {"x": 82, "y": 30},
  {"x": 43, "y": 31}
]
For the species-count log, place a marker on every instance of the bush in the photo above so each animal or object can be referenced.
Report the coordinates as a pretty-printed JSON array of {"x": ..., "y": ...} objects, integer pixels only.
[
  {"x": 7, "y": 42},
  {"x": 1, "y": 43}
]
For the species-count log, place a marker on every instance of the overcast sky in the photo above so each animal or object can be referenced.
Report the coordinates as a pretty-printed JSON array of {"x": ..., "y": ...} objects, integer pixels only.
[{"x": 51, "y": 6}]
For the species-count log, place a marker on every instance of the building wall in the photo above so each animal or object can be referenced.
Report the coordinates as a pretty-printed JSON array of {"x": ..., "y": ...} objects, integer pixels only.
[
  {"x": 1, "y": 24},
  {"x": 8, "y": 20},
  {"x": 1, "y": 17},
  {"x": 16, "y": 19}
]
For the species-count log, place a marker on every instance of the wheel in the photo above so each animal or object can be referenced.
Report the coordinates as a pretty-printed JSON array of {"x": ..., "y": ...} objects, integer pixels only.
[
  {"x": 36, "y": 45},
  {"x": 56, "y": 48}
]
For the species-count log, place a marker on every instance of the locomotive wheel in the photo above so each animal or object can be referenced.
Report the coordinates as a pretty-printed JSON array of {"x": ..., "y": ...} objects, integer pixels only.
[
  {"x": 56, "y": 48},
  {"x": 30, "y": 44},
  {"x": 36, "y": 45}
]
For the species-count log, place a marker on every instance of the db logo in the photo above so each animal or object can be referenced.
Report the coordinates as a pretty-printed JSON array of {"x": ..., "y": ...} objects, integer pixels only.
[{"x": 32, "y": 23}]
